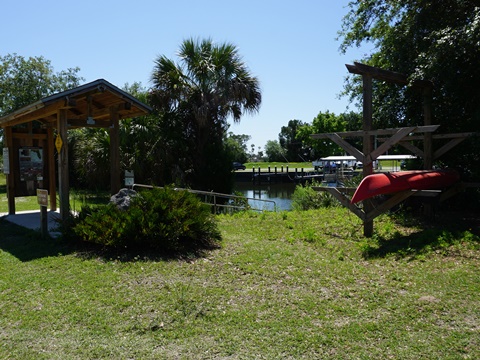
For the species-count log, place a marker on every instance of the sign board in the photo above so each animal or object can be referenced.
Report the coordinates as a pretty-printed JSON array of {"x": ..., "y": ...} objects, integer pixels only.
[
  {"x": 59, "y": 143},
  {"x": 129, "y": 178},
  {"x": 31, "y": 163},
  {"x": 42, "y": 197},
  {"x": 6, "y": 161}
]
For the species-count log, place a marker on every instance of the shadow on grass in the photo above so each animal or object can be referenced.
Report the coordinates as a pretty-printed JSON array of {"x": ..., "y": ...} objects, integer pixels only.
[
  {"x": 27, "y": 245},
  {"x": 442, "y": 235}
]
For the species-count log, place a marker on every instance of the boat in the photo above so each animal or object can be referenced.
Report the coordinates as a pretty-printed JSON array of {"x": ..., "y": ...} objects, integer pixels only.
[{"x": 387, "y": 183}]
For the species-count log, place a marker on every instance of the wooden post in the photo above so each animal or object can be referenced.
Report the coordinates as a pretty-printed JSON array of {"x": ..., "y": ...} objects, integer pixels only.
[
  {"x": 11, "y": 176},
  {"x": 115, "y": 183},
  {"x": 427, "y": 137},
  {"x": 62, "y": 148},
  {"x": 51, "y": 169},
  {"x": 367, "y": 144}
]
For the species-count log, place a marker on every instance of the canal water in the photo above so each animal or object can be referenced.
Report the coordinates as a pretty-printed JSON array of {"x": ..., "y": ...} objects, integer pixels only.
[{"x": 280, "y": 194}]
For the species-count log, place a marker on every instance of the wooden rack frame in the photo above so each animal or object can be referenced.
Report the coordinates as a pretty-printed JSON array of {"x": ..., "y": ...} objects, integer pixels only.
[{"x": 389, "y": 138}]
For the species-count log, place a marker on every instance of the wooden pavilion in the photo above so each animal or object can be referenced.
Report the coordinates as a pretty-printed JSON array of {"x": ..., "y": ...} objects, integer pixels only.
[{"x": 37, "y": 132}]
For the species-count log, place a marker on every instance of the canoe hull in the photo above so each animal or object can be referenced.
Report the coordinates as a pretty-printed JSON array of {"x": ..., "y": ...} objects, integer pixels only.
[{"x": 386, "y": 183}]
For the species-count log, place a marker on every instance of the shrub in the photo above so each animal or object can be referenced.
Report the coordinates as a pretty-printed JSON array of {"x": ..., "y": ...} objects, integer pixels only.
[
  {"x": 306, "y": 198},
  {"x": 161, "y": 219}
]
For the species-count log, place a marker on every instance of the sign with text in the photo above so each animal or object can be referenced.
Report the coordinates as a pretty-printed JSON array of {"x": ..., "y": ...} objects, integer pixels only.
[
  {"x": 6, "y": 161},
  {"x": 129, "y": 178},
  {"x": 42, "y": 197}
]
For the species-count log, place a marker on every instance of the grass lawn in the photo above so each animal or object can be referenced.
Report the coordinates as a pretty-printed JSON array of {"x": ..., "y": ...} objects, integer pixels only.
[{"x": 288, "y": 285}]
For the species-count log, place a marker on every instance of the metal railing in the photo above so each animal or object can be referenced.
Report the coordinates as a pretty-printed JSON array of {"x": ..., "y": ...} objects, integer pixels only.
[{"x": 233, "y": 203}]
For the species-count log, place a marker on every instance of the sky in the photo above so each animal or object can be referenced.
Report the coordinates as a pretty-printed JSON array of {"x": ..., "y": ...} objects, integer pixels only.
[{"x": 290, "y": 46}]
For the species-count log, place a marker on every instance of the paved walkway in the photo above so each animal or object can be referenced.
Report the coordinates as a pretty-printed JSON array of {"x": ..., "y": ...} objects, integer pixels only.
[{"x": 31, "y": 220}]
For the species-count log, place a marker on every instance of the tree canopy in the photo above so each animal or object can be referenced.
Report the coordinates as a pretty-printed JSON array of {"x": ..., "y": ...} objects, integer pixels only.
[
  {"x": 24, "y": 81},
  {"x": 435, "y": 40}
]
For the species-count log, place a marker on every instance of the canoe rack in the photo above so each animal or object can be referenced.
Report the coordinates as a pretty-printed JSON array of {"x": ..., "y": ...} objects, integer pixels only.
[{"x": 389, "y": 138}]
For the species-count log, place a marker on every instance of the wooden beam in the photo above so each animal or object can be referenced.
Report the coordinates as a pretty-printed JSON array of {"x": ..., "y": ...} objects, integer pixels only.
[
  {"x": 379, "y": 132},
  {"x": 39, "y": 113},
  {"x": 11, "y": 176},
  {"x": 346, "y": 146},
  {"x": 427, "y": 137},
  {"x": 386, "y": 75},
  {"x": 412, "y": 148},
  {"x": 448, "y": 146},
  {"x": 115, "y": 183},
  {"x": 367, "y": 144},
  {"x": 383, "y": 148},
  {"x": 51, "y": 169},
  {"x": 76, "y": 123},
  {"x": 396, "y": 199},
  {"x": 344, "y": 200},
  {"x": 63, "y": 181}
]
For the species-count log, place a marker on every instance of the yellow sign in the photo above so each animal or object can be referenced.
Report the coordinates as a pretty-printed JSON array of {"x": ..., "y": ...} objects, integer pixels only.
[
  {"x": 59, "y": 143},
  {"x": 42, "y": 197}
]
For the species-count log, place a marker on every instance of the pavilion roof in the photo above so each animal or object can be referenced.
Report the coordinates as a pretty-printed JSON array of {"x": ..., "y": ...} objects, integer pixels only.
[{"x": 87, "y": 105}]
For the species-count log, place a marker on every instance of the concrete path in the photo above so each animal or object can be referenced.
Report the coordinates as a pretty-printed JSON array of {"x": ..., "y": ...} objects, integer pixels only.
[{"x": 31, "y": 220}]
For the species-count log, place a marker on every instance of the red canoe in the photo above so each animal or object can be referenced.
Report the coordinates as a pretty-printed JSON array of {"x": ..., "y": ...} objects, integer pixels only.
[{"x": 386, "y": 183}]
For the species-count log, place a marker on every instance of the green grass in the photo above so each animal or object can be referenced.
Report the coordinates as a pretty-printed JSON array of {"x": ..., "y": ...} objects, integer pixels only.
[{"x": 295, "y": 285}]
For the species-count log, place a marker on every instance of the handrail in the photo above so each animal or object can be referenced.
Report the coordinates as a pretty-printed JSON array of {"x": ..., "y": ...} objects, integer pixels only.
[{"x": 215, "y": 195}]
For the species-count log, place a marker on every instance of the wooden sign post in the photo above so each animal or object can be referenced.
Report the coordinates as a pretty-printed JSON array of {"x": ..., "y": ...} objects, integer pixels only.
[{"x": 42, "y": 199}]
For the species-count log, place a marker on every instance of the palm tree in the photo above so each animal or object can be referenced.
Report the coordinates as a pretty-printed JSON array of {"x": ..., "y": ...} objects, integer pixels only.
[{"x": 208, "y": 86}]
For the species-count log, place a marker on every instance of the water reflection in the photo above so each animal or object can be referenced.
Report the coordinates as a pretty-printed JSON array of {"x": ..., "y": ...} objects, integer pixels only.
[{"x": 280, "y": 193}]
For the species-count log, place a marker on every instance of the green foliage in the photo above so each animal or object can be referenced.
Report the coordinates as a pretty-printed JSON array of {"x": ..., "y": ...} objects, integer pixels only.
[
  {"x": 161, "y": 219},
  {"x": 306, "y": 198},
  {"x": 293, "y": 146},
  {"x": 326, "y": 122},
  {"x": 274, "y": 151},
  {"x": 24, "y": 81},
  {"x": 237, "y": 147}
]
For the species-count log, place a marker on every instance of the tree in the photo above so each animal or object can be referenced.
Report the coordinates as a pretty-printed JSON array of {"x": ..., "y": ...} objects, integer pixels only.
[
  {"x": 25, "y": 81},
  {"x": 435, "y": 40},
  {"x": 196, "y": 97},
  {"x": 274, "y": 151},
  {"x": 292, "y": 146},
  {"x": 324, "y": 122},
  {"x": 237, "y": 146}
]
